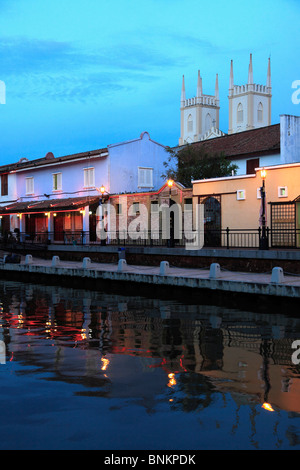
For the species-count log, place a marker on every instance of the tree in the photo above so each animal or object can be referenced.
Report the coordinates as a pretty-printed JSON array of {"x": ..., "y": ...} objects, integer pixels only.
[{"x": 193, "y": 163}]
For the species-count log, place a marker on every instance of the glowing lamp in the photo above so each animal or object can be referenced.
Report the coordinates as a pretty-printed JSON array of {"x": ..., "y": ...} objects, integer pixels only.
[
  {"x": 170, "y": 183},
  {"x": 102, "y": 189},
  {"x": 263, "y": 174}
]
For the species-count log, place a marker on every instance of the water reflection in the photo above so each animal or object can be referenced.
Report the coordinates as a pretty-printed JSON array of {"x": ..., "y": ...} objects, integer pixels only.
[{"x": 193, "y": 357}]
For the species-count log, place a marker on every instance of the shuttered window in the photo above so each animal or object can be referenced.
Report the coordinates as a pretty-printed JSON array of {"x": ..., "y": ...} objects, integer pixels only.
[
  {"x": 57, "y": 181},
  {"x": 30, "y": 185},
  {"x": 89, "y": 177},
  {"x": 145, "y": 177},
  {"x": 4, "y": 184}
]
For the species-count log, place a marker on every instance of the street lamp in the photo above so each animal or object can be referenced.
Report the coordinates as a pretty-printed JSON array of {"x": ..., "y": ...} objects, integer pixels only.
[
  {"x": 263, "y": 242},
  {"x": 171, "y": 215},
  {"x": 102, "y": 191}
]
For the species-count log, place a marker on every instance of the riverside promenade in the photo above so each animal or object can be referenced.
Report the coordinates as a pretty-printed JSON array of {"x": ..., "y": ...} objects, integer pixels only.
[{"x": 275, "y": 284}]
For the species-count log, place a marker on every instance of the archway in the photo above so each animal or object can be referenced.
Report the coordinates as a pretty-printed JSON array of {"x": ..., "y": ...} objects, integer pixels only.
[{"x": 212, "y": 220}]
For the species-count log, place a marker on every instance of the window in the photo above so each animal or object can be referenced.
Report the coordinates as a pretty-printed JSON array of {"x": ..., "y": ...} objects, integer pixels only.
[
  {"x": 260, "y": 112},
  {"x": 282, "y": 191},
  {"x": 57, "y": 181},
  {"x": 240, "y": 114},
  {"x": 89, "y": 177},
  {"x": 119, "y": 209},
  {"x": 241, "y": 194},
  {"x": 208, "y": 122},
  {"x": 29, "y": 185},
  {"x": 4, "y": 185},
  {"x": 136, "y": 207},
  {"x": 190, "y": 123},
  {"x": 251, "y": 165},
  {"x": 145, "y": 177}
]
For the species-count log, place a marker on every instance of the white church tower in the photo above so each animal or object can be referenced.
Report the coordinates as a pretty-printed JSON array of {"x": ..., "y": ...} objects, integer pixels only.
[
  {"x": 199, "y": 115},
  {"x": 250, "y": 104}
]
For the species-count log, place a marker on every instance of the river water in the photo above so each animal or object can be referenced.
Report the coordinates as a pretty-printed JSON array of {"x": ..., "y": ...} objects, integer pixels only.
[{"x": 91, "y": 370}]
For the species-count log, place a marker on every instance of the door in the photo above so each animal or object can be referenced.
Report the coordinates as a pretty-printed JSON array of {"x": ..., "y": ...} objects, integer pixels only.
[
  {"x": 58, "y": 228},
  {"x": 212, "y": 220}
]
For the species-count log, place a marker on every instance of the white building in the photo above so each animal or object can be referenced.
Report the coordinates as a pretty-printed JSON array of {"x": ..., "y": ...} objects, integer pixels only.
[
  {"x": 249, "y": 108},
  {"x": 199, "y": 115},
  {"x": 249, "y": 104},
  {"x": 56, "y": 196}
]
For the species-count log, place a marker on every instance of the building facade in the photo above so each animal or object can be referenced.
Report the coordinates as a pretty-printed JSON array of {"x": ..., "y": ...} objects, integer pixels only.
[
  {"x": 233, "y": 207},
  {"x": 249, "y": 104},
  {"x": 60, "y": 199},
  {"x": 249, "y": 108}
]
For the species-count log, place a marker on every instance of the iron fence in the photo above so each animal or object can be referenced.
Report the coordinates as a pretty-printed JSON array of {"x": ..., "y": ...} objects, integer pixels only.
[{"x": 224, "y": 238}]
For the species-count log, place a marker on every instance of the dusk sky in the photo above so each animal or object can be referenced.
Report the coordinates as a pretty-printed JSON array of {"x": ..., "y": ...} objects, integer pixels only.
[{"x": 82, "y": 75}]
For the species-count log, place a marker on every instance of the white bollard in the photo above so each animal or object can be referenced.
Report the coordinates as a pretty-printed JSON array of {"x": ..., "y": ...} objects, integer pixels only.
[
  {"x": 214, "y": 271},
  {"x": 86, "y": 262},
  {"x": 28, "y": 259},
  {"x": 55, "y": 261},
  {"x": 164, "y": 268},
  {"x": 277, "y": 276},
  {"x": 122, "y": 265}
]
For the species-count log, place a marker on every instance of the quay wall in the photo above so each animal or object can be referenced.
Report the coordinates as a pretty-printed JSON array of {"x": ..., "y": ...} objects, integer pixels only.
[
  {"x": 262, "y": 296},
  {"x": 247, "y": 260}
]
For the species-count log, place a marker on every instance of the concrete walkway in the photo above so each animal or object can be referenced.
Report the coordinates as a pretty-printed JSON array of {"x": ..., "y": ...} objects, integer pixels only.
[{"x": 275, "y": 283}]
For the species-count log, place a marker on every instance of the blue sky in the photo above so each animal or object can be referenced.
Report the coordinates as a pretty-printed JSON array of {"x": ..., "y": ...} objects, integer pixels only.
[{"x": 82, "y": 75}]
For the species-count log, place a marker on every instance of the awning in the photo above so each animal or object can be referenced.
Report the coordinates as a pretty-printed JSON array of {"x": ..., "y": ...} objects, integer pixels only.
[{"x": 49, "y": 205}]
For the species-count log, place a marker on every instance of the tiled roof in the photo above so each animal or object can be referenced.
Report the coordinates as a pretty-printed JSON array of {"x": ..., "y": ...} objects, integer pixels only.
[
  {"x": 49, "y": 205},
  {"x": 255, "y": 142},
  {"x": 49, "y": 159}
]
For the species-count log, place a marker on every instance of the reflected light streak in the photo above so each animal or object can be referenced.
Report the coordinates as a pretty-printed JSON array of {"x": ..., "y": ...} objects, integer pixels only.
[
  {"x": 105, "y": 363},
  {"x": 267, "y": 406},
  {"x": 172, "y": 380}
]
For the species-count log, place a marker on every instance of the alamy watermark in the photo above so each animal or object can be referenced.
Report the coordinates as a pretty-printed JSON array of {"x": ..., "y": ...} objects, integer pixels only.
[
  {"x": 296, "y": 354},
  {"x": 296, "y": 94},
  {"x": 163, "y": 222}
]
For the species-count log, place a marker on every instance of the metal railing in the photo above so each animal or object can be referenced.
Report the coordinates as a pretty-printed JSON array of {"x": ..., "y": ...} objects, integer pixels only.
[{"x": 224, "y": 238}]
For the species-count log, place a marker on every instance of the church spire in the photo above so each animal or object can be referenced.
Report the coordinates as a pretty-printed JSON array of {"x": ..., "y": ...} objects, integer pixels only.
[
  {"x": 250, "y": 73},
  {"x": 199, "y": 85},
  {"x": 217, "y": 88},
  {"x": 183, "y": 92},
  {"x": 231, "y": 76},
  {"x": 269, "y": 74}
]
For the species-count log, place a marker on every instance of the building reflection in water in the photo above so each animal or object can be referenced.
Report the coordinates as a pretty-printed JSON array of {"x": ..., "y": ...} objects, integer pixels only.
[{"x": 188, "y": 352}]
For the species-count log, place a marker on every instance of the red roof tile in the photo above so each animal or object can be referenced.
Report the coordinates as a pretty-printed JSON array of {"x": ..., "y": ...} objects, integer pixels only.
[
  {"x": 49, "y": 205},
  {"x": 261, "y": 141}
]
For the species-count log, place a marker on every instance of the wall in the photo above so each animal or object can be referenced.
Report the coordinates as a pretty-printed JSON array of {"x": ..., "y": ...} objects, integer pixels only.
[
  {"x": 245, "y": 213},
  {"x": 12, "y": 189},
  {"x": 290, "y": 138},
  {"x": 72, "y": 179},
  {"x": 264, "y": 160},
  {"x": 126, "y": 157}
]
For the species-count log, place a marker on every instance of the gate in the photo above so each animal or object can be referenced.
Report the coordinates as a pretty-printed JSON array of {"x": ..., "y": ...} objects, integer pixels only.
[
  {"x": 283, "y": 224},
  {"x": 212, "y": 219}
]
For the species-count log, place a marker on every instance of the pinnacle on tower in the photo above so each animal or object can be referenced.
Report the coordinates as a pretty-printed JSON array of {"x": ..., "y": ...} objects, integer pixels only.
[
  {"x": 269, "y": 74},
  {"x": 183, "y": 92},
  {"x": 217, "y": 88},
  {"x": 231, "y": 83},
  {"x": 199, "y": 85},
  {"x": 250, "y": 73}
]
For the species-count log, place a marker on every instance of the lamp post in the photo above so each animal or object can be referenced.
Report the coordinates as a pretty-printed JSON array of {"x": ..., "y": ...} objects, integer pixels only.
[
  {"x": 102, "y": 191},
  {"x": 263, "y": 242},
  {"x": 171, "y": 215}
]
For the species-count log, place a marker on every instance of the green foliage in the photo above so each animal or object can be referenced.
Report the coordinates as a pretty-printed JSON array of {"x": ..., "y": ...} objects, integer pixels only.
[{"x": 193, "y": 163}]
